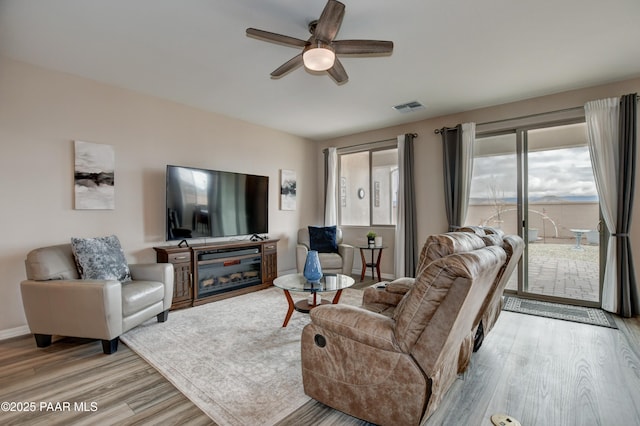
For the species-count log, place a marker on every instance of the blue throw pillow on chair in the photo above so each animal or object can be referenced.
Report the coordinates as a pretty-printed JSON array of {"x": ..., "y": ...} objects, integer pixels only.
[{"x": 323, "y": 239}]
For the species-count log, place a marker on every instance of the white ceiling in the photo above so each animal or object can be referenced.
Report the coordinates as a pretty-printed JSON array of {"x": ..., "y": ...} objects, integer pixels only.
[{"x": 450, "y": 55}]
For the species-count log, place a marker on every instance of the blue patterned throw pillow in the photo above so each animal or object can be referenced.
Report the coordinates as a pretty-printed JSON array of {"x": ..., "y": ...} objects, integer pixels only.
[
  {"x": 100, "y": 258},
  {"x": 323, "y": 239}
]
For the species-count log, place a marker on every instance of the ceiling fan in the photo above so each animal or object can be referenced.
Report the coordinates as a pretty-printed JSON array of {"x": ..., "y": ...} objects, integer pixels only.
[{"x": 320, "y": 50}]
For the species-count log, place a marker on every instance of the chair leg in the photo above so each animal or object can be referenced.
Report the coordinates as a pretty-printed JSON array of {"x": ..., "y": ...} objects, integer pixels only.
[
  {"x": 162, "y": 316},
  {"x": 42, "y": 340},
  {"x": 110, "y": 346}
]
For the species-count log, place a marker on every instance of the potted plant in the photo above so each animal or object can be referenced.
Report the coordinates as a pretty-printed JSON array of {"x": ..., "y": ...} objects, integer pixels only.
[{"x": 371, "y": 239}]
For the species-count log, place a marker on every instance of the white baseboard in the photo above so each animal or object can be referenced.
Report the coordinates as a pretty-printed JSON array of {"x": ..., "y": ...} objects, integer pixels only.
[{"x": 14, "y": 332}]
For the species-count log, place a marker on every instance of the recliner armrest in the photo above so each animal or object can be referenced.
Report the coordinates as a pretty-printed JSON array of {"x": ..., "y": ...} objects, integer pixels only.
[
  {"x": 401, "y": 285},
  {"x": 391, "y": 294},
  {"x": 380, "y": 295},
  {"x": 357, "y": 324}
]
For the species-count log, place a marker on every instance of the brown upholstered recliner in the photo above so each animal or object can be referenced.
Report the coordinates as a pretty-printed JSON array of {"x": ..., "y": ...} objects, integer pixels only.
[
  {"x": 385, "y": 300},
  {"x": 395, "y": 368},
  {"x": 514, "y": 247},
  {"x": 57, "y": 302},
  {"x": 384, "y": 297}
]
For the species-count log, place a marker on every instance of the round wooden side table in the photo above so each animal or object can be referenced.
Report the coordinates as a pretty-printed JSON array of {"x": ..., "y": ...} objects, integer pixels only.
[{"x": 375, "y": 261}]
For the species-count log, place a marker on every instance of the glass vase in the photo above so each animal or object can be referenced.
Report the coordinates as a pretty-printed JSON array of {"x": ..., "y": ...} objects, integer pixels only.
[{"x": 312, "y": 269}]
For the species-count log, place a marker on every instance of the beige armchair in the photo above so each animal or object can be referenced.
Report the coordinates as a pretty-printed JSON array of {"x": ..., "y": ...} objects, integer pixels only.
[
  {"x": 333, "y": 263},
  {"x": 394, "y": 367},
  {"x": 57, "y": 302}
]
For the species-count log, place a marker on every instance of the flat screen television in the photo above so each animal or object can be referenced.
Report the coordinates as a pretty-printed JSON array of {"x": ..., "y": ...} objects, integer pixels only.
[{"x": 205, "y": 203}]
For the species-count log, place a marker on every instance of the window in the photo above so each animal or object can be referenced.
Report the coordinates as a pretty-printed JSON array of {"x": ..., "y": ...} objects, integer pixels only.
[{"x": 368, "y": 187}]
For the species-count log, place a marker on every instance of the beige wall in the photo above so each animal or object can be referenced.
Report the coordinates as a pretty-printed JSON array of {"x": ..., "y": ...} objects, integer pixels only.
[
  {"x": 42, "y": 112},
  {"x": 428, "y": 156}
]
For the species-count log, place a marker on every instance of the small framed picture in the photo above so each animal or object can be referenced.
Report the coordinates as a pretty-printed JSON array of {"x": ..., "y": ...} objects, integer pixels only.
[
  {"x": 287, "y": 190},
  {"x": 93, "y": 177}
]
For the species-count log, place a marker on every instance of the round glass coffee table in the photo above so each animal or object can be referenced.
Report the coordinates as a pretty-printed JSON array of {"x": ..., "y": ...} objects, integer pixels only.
[{"x": 297, "y": 282}]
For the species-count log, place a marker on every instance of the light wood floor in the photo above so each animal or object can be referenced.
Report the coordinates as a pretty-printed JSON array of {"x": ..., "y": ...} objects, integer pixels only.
[
  {"x": 125, "y": 388},
  {"x": 540, "y": 371},
  {"x": 550, "y": 372}
]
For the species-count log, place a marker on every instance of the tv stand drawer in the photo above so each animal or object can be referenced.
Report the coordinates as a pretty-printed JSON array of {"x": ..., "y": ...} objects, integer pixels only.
[{"x": 179, "y": 257}]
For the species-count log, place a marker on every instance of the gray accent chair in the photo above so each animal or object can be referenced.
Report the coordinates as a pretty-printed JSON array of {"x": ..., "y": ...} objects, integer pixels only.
[
  {"x": 57, "y": 302},
  {"x": 332, "y": 263}
]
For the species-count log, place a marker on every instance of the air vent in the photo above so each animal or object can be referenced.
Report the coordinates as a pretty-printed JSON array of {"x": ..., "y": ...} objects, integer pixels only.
[{"x": 409, "y": 107}]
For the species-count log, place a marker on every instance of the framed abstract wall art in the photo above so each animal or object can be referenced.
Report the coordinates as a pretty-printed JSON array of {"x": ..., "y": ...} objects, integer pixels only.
[
  {"x": 94, "y": 183},
  {"x": 287, "y": 190}
]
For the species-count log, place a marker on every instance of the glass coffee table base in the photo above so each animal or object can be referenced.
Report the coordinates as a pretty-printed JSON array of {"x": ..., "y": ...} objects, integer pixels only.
[
  {"x": 304, "y": 306},
  {"x": 297, "y": 283}
]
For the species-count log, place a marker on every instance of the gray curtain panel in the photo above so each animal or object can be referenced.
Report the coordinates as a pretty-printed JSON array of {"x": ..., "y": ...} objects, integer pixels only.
[
  {"x": 628, "y": 303},
  {"x": 411, "y": 229},
  {"x": 326, "y": 180},
  {"x": 452, "y": 157}
]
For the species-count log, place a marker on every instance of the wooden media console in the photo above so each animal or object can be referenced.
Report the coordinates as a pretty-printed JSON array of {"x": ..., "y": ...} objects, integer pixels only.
[{"x": 208, "y": 272}]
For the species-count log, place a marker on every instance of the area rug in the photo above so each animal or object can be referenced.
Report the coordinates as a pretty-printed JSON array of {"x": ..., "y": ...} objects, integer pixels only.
[
  {"x": 232, "y": 358},
  {"x": 581, "y": 314}
]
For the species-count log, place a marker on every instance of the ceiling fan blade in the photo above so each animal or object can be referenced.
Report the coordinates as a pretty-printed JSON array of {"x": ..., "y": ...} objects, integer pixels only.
[
  {"x": 329, "y": 22},
  {"x": 290, "y": 65},
  {"x": 361, "y": 47},
  {"x": 338, "y": 73},
  {"x": 276, "y": 38}
]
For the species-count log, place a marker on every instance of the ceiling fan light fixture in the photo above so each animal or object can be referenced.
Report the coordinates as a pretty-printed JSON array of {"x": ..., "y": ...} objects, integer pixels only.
[
  {"x": 319, "y": 58},
  {"x": 320, "y": 50}
]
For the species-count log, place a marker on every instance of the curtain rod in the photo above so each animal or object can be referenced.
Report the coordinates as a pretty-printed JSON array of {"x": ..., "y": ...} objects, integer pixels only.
[
  {"x": 415, "y": 135},
  {"x": 441, "y": 130},
  {"x": 438, "y": 131},
  {"x": 532, "y": 115}
]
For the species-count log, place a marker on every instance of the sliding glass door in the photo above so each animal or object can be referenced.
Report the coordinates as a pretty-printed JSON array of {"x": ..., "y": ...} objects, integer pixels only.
[
  {"x": 538, "y": 183},
  {"x": 494, "y": 195},
  {"x": 562, "y": 214}
]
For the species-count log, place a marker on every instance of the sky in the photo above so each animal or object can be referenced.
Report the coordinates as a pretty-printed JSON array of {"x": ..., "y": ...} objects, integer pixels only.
[{"x": 559, "y": 172}]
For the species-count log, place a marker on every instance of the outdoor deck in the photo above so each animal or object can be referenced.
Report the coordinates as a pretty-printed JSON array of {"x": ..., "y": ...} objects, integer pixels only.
[{"x": 557, "y": 269}]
